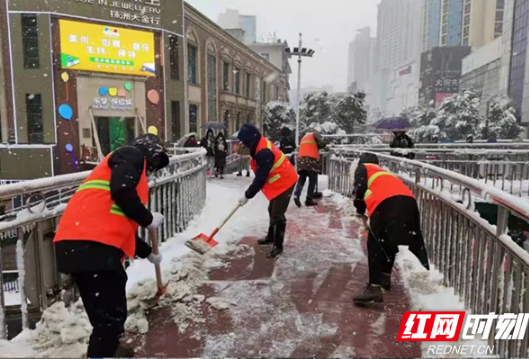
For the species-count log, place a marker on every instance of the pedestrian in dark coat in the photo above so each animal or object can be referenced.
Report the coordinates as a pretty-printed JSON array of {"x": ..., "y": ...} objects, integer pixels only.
[
  {"x": 402, "y": 140},
  {"x": 287, "y": 144},
  {"x": 191, "y": 142},
  {"x": 208, "y": 143},
  {"x": 221, "y": 152},
  {"x": 394, "y": 221},
  {"x": 90, "y": 244}
]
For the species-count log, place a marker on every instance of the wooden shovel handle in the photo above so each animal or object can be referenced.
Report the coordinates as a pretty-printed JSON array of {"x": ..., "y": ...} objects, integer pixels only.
[
  {"x": 224, "y": 222},
  {"x": 153, "y": 235}
]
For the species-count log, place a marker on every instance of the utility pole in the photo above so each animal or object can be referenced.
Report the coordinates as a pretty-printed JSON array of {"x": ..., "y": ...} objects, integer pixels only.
[
  {"x": 300, "y": 52},
  {"x": 298, "y": 96}
]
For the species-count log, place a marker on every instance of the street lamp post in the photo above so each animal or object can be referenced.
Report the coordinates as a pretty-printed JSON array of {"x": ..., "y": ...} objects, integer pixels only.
[{"x": 300, "y": 52}]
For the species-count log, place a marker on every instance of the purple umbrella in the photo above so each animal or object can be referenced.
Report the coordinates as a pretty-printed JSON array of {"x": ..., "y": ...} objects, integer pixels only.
[{"x": 393, "y": 124}]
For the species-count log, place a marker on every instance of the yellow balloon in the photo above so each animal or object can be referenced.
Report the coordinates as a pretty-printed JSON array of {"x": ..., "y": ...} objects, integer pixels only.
[
  {"x": 113, "y": 91},
  {"x": 65, "y": 77},
  {"x": 153, "y": 130}
]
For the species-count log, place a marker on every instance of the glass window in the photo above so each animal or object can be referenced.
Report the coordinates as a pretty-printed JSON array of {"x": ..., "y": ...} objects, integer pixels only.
[
  {"x": 193, "y": 118},
  {"x": 30, "y": 41},
  {"x": 248, "y": 85},
  {"x": 264, "y": 98},
  {"x": 173, "y": 57},
  {"x": 212, "y": 88},
  {"x": 237, "y": 81},
  {"x": 192, "y": 64},
  {"x": 175, "y": 120},
  {"x": 226, "y": 76},
  {"x": 34, "y": 118}
]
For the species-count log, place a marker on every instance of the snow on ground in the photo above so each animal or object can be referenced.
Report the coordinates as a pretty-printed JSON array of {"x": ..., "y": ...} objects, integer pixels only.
[{"x": 63, "y": 332}]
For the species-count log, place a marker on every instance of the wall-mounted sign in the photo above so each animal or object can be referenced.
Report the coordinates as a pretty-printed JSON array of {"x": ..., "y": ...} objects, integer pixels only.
[
  {"x": 112, "y": 99},
  {"x": 157, "y": 14},
  {"x": 99, "y": 48}
]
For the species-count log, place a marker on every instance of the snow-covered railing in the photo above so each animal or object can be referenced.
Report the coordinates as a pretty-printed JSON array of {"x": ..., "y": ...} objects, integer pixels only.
[
  {"x": 178, "y": 192},
  {"x": 506, "y": 169},
  {"x": 479, "y": 260}
]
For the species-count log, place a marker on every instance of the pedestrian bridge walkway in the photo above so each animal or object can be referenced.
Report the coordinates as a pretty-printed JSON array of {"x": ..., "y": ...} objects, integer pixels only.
[
  {"x": 301, "y": 304},
  {"x": 297, "y": 306}
]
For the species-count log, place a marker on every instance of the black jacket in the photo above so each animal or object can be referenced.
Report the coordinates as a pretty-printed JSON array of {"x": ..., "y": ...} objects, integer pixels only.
[
  {"x": 395, "y": 220},
  {"x": 250, "y": 136},
  {"x": 126, "y": 163},
  {"x": 403, "y": 141},
  {"x": 287, "y": 145},
  {"x": 221, "y": 151},
  {"x": 208, "y": 142}
]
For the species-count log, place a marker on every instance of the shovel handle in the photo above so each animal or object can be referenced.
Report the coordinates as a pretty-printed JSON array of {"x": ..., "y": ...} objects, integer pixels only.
[
  {"x": 224, "y": 222},
  {"x": 153, "y": 235}
]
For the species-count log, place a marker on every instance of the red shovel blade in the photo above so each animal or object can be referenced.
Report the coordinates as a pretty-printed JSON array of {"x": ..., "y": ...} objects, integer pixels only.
[{"x": 204, "y": 237}]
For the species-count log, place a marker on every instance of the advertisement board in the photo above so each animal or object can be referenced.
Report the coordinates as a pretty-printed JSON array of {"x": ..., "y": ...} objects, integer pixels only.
[{"x": 100, "y": 48}]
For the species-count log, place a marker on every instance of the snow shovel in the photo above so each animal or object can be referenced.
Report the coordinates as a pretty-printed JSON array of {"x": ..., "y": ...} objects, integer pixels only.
[
  {"x": 203, "y": 243},
  {"x": 153, "y": 235}
]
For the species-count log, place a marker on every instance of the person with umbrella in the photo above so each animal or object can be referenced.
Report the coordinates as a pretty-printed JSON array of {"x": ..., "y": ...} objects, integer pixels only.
[
  {"x": 208, "y": 142},
  {"x": 221, "y": 152},
  {"x": 394, "y": 221},
  {"x": 287, "y": 144},
  {"x": 275, "y": 177},
  {"x": 402, "y": 140}
]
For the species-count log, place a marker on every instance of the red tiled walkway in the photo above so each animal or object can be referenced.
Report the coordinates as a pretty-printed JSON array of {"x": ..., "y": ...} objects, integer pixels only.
[{"x": 298, "y": 306}]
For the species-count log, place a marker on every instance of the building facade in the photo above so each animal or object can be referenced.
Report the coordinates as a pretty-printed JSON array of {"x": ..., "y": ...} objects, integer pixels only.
[
  {"x": 227, "y": 81},
  {"x": 461, "y": 22},
  {"x": 276, "y": 54},
  {"x": 83, "y": 78},
  {"x": 440, "y": 73},
  {"x": 403, "y": 89},
  {"x": 351, "y": 63},
  {"x": 364, "y": 57},
  {"x": 481, "y": 72}
]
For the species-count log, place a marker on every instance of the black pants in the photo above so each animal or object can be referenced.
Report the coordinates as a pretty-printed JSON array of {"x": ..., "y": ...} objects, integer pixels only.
[
  {"x": 278, "y": 221},
  {"x": 313, "y": 180},
  {"x": 105, "y": 302},
  {"x": 381, "y": 259}
]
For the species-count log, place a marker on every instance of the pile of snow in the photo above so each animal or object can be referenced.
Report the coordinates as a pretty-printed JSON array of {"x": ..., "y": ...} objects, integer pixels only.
[{"x": 64, "y": 332}]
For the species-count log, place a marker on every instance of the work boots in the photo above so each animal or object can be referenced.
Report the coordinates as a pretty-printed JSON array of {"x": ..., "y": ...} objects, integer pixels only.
[
  {"x": 269, "y": 239},
  {"x": 310, "y": 203},
  {"x": 279, "y": 237},
  {"x": 371, "y": 294},
  {"x": 297, "y": 202},
  {"x": 385, "y": 281},
  {"x": 317, "y": 195}
]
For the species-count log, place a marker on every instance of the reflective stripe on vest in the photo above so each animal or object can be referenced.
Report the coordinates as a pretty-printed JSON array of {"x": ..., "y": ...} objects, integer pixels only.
[
  {"x": 373, "y": 178},
  {"x": 105, "y": 186},
  {"x": 276, "y": 165}
]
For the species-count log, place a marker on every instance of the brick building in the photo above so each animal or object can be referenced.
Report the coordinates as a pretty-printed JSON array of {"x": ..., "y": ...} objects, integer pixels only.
[{"x": 227, "y": 81}]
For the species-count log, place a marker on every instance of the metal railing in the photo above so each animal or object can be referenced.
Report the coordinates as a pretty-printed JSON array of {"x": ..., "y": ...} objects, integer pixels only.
[
  {"x": 178, "y": 192},
  {"x": 483, "y": 265}
]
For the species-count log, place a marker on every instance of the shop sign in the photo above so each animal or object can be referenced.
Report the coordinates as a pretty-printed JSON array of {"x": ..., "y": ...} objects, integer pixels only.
[
  {"x": 112, "y": 104},
  {"x": 100, "y": 48}
]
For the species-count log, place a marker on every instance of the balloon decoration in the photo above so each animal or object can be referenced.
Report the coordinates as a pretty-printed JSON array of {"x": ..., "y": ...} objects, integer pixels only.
[
  {"x": 113, "y": 91},
  {"x": 69, "y": 148},
  {"x": 128, "y": 86},
  {"x": 153, "y": 130},
  {"x": 122, "y": 93},
  {"x": 103, "y": 91},
  {"x": 65, "y": 77},
  {"x": 66, "y": 112},
  {"x": 153, "y": 96}
]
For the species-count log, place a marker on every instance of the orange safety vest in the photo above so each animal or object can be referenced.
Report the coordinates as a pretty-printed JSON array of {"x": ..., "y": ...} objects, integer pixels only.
[
  {"x": 382, "y": 185},
  {"x": 309, "y": 147},
  {"x": 91, "y": 215},
  {"x": 282, "y": 176}
]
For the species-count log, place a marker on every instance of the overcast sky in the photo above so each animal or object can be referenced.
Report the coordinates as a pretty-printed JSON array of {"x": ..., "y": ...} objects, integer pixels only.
[{"x": 327, "y": 26}]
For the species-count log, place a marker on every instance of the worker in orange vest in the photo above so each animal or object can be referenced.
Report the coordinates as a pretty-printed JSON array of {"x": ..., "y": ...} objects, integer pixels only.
[
  {"x": 308, "y": 166},
  {"x": 394, "y": 221},
  {"x": 275, "y": 177},
  {"x": 99, "y": 228}
]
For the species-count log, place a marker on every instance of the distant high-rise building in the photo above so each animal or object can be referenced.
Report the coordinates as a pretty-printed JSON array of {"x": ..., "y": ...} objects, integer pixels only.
[
  {"x": 232, "y": 19},
  {"x": 364, "y": 57},
  {"x": 351, "y": 63},
  {"x": 461, "y": 22}
]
